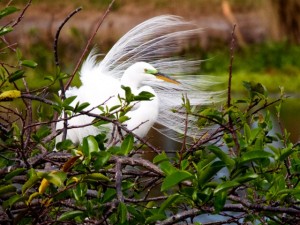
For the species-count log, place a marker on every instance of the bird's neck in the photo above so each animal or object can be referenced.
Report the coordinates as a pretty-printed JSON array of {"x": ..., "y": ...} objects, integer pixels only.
[{"x": 128, "y": 81}]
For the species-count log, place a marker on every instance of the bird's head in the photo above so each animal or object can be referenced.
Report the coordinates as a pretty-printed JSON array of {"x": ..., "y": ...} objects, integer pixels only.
[{"x": 142, "y": 71}]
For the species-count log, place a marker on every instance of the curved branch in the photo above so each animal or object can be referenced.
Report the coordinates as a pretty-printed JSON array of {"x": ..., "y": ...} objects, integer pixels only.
[
  {"x": 22, "y": 14},
  {"x": 58, "y": 33},
  {"x": 243, "y": 207}
]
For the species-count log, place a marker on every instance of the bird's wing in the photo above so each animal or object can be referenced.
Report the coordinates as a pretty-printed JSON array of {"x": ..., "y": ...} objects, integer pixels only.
[{"x": 157, "y": 41}]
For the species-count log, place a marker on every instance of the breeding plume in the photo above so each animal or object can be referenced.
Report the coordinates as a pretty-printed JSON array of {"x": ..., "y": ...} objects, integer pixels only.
[{"x": 136, "y": 61}]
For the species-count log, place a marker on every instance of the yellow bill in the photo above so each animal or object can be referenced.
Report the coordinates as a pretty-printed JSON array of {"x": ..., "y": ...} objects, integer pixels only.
[{"x": 166, "y": 78}]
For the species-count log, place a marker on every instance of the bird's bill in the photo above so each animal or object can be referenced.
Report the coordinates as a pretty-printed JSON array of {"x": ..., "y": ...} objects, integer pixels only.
[{"x": 166, "y": 78}]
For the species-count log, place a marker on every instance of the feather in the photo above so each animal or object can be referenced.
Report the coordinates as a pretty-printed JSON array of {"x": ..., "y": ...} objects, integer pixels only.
[{"x": 155, "y": 41}]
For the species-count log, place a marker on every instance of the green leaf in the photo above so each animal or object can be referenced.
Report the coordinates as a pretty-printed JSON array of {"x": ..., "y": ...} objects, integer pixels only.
[
  {"x": 5, "y": 30},
  {"x": 122, "y": 119},
  {"x": 208, "y": 172},
  {"x": 68, "y": 101},
  {"x": 65, "y": 145},
  {"x": 135, "y": 214},
  {"x": 89, "y": 145},
  {"x": 16, "y": 75},
  {"x": 29, "y": 63},
  {"x": 160, "y": 158},
  {"x": 247, "y": 132},
  {"x": 7, "y": 189},
  {"x": 41, "y": 133},
  {"x": 143, "y": 96},
  {"x": 8, "y": 10},
  {"x": 184, "y": 164},
  {"x": 13, "y": 200},
  {"x": 225, "y": 186},
  {"x": 115, "y": 150},
  {"x": 170, "y": 200},
  {"x": 254, "y": 134},
  {"x": 109, "y": 194},
  {"x": 14, "y": 173},
  {"x": 128, "y": 94},
  {"x": 206, "y": 161},
  {"x": 70, "y": 215},
  {"x": 80, "y": 191},
  {"x": 284, "y": 153},
  {"x": 175, "y": 178},
  {"x": 111, "y": 109},
  {"x": 57, "y": 178},
  {"x": 122, "y": 211},
  {"x": 254, "y": 155},
  {"x": 101, "y": 160},
  {"x": 289, "y": 191},
  {"x": 246, "y": 178},
  {"x": 222, "y": 156},
  {"x": 96, "y": 177},
  {"x": 33, "y": 179},
  {"x": 167, "y": 167},
  {"x": 220, "y": 200},
  {"x": 49, "y": 77},
  {"x": 127, "y": 144},
  {"x": 79, "y": 108},
  {"x": 57, "y": 99}
]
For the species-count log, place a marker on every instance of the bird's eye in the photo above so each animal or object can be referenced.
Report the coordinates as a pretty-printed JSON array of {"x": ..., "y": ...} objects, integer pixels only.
[{"x": 149, "y": 71}]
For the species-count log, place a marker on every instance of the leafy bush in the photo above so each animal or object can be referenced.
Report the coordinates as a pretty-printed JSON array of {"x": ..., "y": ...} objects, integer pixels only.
[{"x": 239, "y": 171}]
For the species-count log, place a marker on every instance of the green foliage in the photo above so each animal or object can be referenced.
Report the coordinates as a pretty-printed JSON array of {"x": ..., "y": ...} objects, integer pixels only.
[
  {"x": 241, "y": 168},
  {"x": 273, "y": 64}
]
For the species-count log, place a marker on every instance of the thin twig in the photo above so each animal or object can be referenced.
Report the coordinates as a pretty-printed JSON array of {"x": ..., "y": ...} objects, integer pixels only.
[
  {"x": 58, "y": 33},
  {"x": 22, "y": 14},
  {"x": 88, "y": 44},
  {"x": 232, "y": 45},
  {"x": 28, "y": 105},
  {"x": 62, "y": 95},
  {"x": 234, "y": 136},
  {"x": 37, "y": 98}
]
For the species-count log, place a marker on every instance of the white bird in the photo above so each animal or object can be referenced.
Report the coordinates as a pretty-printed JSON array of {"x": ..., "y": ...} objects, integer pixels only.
[{"x": 134, "y": 62}]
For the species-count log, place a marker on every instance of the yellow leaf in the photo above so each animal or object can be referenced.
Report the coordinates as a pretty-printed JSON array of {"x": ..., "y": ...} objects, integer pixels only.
[
  {"x": 43, "y": 186},
  {"x": 75, "y": 179},
  {"x": 31, "y": 197},
  {"x": 9, "y": 95}
]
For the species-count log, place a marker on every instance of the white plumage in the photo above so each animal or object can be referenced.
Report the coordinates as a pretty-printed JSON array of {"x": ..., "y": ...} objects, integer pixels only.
[{"x": 149, "y": 46}]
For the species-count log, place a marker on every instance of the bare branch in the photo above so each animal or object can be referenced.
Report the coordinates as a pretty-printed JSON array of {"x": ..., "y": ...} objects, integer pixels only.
[
  {"x": 58, "y": 33},
  {"x": 22, "y": 14},
  {"x": 35, "y": 97},
  {"x": 230, "y": 67}
]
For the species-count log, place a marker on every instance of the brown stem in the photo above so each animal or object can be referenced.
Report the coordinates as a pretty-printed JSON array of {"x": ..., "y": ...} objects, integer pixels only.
[
  {"x": 234, "y": 136},
  {"x": 22, "y": 14}
]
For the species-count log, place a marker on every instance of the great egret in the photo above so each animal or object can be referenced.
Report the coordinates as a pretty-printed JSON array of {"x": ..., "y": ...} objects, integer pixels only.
[{"x": 134, "y": 61}]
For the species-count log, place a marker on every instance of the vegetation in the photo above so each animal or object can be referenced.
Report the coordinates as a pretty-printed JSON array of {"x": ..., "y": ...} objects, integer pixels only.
[
  {"x": 239, "y": 171},
  {"x": 273, "y": 64}
]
